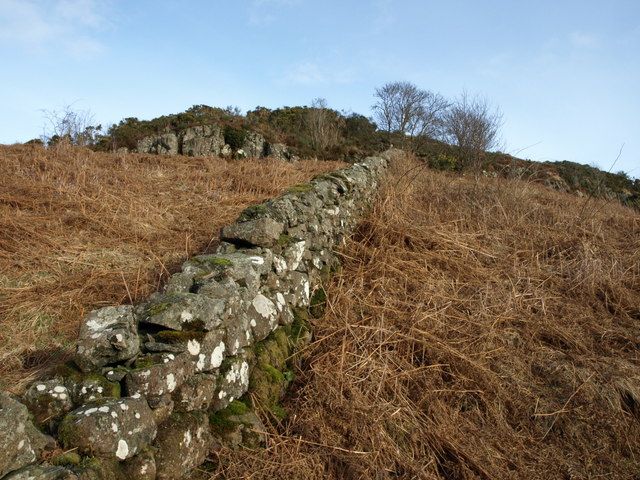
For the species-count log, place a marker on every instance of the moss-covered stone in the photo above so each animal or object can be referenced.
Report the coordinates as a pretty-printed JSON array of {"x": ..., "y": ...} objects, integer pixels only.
[
  {"x": 253, "y": 211},
  {"x": 300, "y": 188},
  {"x": 66, "y": 458}
]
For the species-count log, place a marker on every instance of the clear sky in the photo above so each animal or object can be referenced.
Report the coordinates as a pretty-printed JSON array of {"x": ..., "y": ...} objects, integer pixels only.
[{"x": 566, "y": 73}]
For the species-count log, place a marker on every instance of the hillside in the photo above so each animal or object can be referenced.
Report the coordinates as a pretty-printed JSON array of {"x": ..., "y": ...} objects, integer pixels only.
[
  {"x": 82, "y": 229},
  {"x": 479, "y": 328}
]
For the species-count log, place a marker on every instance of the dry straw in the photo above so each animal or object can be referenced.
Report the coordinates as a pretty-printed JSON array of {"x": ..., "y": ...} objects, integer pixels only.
[
  {"x": 80, "y": 229},
  {"x": 480, "y": 328}
]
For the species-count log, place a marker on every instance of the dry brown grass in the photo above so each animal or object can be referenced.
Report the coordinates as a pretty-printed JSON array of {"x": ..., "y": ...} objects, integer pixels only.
[
  {"x": 479, "y": 329},
  {"x": 80, "y": 229}
]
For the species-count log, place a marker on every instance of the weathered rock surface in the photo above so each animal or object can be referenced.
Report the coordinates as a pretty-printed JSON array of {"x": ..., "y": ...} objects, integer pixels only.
[
  {"x": 107, "y": 336},
  {"x": 48, "y": 401},
  {"x": 113, "y": 428},
  {"x": 42, "y": 472},
  {"x": 279, "y": 151},
  {"x": 261, "y": 232},
  {"x": 196, "y": 393},
  {"x": 21, "y": 443},
  {"x": 183, "y": 311},
  {"x": 159, "y": 374},
  {"x": 182, "y": 444},
  {"x": 254, "y": 145},
  {"x": 233, "y": 382},
  {"x": 202, "y": 141},
  {"x": 164, "y": 144}
]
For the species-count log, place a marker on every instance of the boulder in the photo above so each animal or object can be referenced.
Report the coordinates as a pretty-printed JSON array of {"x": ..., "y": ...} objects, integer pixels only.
[
  {"x": 21, "y": 443},
  {"x": 279, "y": 151},
  {"x": 113, "y": 428},
  {"x": 182, "y": 444},
  {"x": 254, "y": 145},
  {"x": 263, "y": 316},
  {"x": 107, "y": 335}
]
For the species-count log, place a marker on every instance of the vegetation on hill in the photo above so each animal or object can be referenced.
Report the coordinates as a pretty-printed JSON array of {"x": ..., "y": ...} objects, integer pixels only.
[
  {"x": 480, "y": 328},
  {"x": 82, "y": 229}
]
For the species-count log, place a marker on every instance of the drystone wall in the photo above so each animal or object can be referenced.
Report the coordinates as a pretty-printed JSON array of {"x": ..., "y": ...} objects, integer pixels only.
[
  {"x": 154, "y": 388},
  {"x": 209, "y": 140}
]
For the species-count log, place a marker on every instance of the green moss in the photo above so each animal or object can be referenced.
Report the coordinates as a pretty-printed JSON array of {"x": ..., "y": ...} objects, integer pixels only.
[
  {"x": 178, "y": 337},
  {"x": 300, "y": 326},
  {"x": 285, "y": 240},
  {"x": 222, "y": 421},
  {"x": 144, "y": 362},
  {"x": 67, "y": 458},
  {"x": 300, "y": 188},
  {"x": 157, "y": 308},
  {"x": 317, "y": 303},
  {"x": 253, "y": 211},
  {"x": 278, "y": 411},
  {"x": 211, "y": 260},
  {"x": 273, "y": 373}
]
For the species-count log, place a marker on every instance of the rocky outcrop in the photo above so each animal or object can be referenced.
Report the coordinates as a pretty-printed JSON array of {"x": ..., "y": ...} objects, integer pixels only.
[
  {"x": 208, "y": 140},
  {"x": 155, "y": 387}
]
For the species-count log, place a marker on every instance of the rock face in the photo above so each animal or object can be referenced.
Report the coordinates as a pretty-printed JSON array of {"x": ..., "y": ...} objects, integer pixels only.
[
  {"x": 113, "y": 428},
  {"x": 107, "y": 335},
  {"x": 202, "y": 141},
  {"x": 226, "y": 325},
  {"x": 279, "y": 151},
  {"x": 20, "y": 441},
  {"x": 254, "y": 145},
  {"x": 164, "y": 144}
]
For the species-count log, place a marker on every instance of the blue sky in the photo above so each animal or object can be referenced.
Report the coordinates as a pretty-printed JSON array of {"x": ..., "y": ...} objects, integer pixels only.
[{"x": 566, "y": 74}]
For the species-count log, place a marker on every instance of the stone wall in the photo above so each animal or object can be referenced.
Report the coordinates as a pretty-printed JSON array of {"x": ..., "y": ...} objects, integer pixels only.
[{"x": 153, "y": 388}]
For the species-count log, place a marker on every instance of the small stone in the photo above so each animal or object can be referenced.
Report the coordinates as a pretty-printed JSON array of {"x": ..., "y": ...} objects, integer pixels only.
[
  {"x": 261, "y": 232},
  {"x": 108, "y": 335},
  {"x": 48, "y": 404}
]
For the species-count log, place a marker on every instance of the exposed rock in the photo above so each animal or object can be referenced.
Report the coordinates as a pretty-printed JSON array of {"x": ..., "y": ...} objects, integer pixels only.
[
  {"x": 114, "y": 428},
  {"x": 254, "y": 145},
  {"x": 21, "y": 443},
  {"x": 279, "y": 151},
  {"x": 232, "y": 383},
  {"x": 42, "y": 472},
  {"x": 196, "y": 393},
  {"x": 261, "y": 232},
  {"x": 263, "y": 316},
  {"x": 140, "y": 467},
  {"x": 182, "y": 444},
  {"x": 165, "y": 144},
  {"x": 107, "y": 335},
  {"x": 183, "y": 311},
  {"x": 157, "y": 374},
  {"x": 237, "y": 426},
  {"x": 48, "y": 401},
  {"x": 226, "y": 151},
  {"x": 201, "y": 141}
]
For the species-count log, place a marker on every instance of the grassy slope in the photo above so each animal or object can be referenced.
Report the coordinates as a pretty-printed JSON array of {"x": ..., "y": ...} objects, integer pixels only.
[
  {"x": 80, "y": 229},
  {"x": 479, "y": 329}
]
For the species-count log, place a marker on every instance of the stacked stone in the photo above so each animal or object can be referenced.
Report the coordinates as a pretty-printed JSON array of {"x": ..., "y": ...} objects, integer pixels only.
[{"x": 147, "y": 380}]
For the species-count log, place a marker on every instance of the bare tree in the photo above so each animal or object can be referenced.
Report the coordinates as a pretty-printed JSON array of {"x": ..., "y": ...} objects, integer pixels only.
[
  {"x": 69, "y": 125},
  {"x": 321, "y": 125},
  {"x": 403, "y": 107},
  {"x": 474, "y": 125}
]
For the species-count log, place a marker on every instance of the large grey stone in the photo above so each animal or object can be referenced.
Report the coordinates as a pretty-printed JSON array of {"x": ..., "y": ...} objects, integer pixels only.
[
  {"x": 107, "y": 335},
  {"x": 254, "y": 145},
  {"x": 279, "y": 151},
  {"x": 21, "y": 443},
  {"x": 182, "y": 444},
  {"x": 114, "y": 428},
  {"x": 155, "y": 375},
  {"x": 183, "y": 311},
  {"x": 196, "y": 393},
  {"x": 261, "y": 232}
]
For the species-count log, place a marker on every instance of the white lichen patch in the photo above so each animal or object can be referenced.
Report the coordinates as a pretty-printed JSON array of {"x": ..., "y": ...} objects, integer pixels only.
[
  {"x": 217, "y": 355},
  {"x": 200, "y": 363},
  {"x": 187, "y": 438},
  {"x": 124, "y": 407},
  {"x": 59, "y": 389},
  {"x": 123, "y": 450},
  {"x": 194, "y": 347},
  {"x": 186, "y": 316},
  {"x": 114, "y": 427},
  {"x": 295, "y": 255},
  {"x": 279, "y": 264},
  {"x": 41, "y": 388},
  {"x": 264, "y": 306},
  {"x": 257, "y": 260},
  {"x": 104, "y": 409},
  {"x": 171, "y": 382}
]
